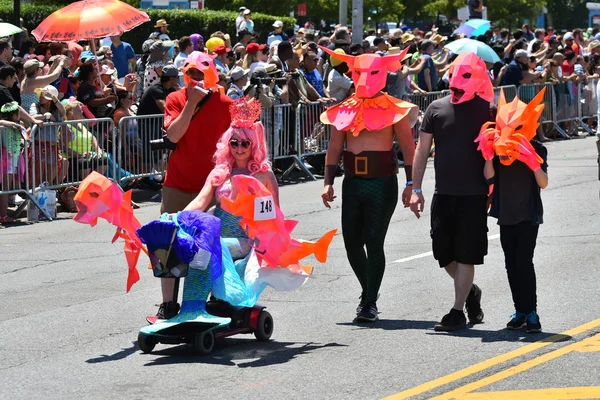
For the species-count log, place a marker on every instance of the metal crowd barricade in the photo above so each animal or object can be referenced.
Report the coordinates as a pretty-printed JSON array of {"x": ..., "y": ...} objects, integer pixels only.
[
  {"x": 280, "y": 130},
  {"x": 588, "y": 102},
  {"x": 64, "y": 153},
  {"x": 528, "y": 92},
  {"x": 423, "y": 100},
  {"x": 510, "y": 92},
  {"x": 14, "y": 168},
  {"x": 135, "y": 155}
]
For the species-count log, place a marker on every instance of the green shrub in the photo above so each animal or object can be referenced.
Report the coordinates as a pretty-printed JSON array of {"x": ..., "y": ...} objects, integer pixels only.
[{"x": 181, "y": 22}]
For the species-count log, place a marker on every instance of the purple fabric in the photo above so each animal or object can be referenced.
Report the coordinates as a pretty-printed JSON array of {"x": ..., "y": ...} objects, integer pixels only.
[{"x": 196, "y": 38}]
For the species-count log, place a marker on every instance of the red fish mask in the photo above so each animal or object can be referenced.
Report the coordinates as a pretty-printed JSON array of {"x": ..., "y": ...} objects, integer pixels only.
[
  {"x": 516, "y": 125},
  {"x": 205, "y": 64},
  {"x": 369, "y": 71},
  {"x": 469, "y": 74}
]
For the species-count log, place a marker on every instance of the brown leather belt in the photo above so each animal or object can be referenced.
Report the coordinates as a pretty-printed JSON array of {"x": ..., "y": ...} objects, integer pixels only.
[{"x": 370, "y": 164}]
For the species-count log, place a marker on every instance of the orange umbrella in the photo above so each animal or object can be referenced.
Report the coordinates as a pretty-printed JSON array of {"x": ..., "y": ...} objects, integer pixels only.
[{"x": 89, "y": 19}]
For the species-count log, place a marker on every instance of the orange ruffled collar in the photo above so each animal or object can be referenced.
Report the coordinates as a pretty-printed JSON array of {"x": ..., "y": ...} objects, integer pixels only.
[{"x": 355, "y": 114}]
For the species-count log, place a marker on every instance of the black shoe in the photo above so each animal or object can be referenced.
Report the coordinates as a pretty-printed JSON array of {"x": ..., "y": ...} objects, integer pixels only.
[
  {"x": 452, "y": 321},
  {"x": 361, "y": 304},
  {"x": 368, "y": 313},
  {"x": 517, "y": 321},
  {"x": 473, "y": 305},
  {"x": 167, "y": 310},
  {"x": 533, "y": 323}
]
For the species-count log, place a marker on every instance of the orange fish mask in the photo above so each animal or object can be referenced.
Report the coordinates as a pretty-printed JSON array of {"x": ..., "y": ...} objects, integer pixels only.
[
  {"x": 469, "y": 74},
  {"x": 368, "y": 108},
  {"x": 369, "y": 71},
  {"x": 510, "y": 135}
]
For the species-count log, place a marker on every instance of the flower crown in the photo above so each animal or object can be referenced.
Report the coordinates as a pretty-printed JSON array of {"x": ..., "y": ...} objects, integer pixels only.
[{"x": 244, "y": 112}]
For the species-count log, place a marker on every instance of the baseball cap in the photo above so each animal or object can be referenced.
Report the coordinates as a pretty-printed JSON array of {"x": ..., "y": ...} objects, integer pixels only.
[
  {"x": 238, "y": 73},
  {"x": 247, "y": 11},
  {"x": 47, "y": 92},
  {"x": 32, "y": 65},
  {"x": 212, "y": 43},
  {"x": 278, "y": 24},
  {"x": 170, "y": 70},
  {"x": 569, "y": 36},
  {"x": 336, "y": 61},
  {"x": 221, "y": 49},
  {"x": 255, "y": 47},
  {"x": 242, "y": 9}
]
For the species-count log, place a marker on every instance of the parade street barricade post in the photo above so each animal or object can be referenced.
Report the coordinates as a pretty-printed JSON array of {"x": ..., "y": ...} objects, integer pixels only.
[
  {"x": 568, "y": 104},
  {"x": 510, "y": 92},
  {"x": 588, "y": 103},
  {"x": 64, "y": 153},
  {"x": 312, "y": 135},
  {"x": 14, "y": 168},
  {"x": 549, "y": 116},
  {"x": 140, "y": 147}
]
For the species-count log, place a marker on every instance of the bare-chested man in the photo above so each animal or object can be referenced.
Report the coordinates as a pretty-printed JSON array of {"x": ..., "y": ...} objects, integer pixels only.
[{"x": 370, "y": 187}]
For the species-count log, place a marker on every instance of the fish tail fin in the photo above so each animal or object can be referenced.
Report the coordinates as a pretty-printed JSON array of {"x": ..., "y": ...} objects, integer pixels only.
[{"x": 322, "y": 246}]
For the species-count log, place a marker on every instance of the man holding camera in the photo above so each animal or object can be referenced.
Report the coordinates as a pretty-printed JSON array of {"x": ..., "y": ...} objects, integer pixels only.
[{"x": 195, "y": 119}]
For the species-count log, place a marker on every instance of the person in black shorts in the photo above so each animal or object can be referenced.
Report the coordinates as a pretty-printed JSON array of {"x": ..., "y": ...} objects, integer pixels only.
[{"x": 459, "y": 205}]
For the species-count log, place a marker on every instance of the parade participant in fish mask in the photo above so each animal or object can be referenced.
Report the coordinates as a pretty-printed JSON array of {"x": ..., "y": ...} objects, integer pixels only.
[
  {"x": 459, "y": 204},
  {"x": 367, "y": 122}
]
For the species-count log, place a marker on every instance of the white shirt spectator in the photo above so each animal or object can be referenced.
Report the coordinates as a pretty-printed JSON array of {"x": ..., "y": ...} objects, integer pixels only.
[
  {"x": 256, "y": 64},
  {"x": 338, "y": 85},
  {"x": 180, "y": 59}
]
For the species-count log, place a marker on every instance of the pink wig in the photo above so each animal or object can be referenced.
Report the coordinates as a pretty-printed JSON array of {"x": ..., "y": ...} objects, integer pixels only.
[{"x": 259, "y": 160}]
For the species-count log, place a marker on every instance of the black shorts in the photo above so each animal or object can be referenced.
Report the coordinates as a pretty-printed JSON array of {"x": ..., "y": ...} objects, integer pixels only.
[{"x": 459, "y": 229}]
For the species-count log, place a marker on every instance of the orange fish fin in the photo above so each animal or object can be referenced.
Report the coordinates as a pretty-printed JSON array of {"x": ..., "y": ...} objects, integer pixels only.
[
  {"x": 322, "y": 245},
  {"x": 307, "y": 268}
]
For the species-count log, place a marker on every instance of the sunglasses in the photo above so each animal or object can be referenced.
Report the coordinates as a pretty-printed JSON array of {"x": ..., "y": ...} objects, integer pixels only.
[{"x": 234, "y": 143}]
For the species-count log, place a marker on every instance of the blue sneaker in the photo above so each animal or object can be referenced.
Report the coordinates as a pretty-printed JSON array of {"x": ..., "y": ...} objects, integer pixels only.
[
  {"x": 517, "y": 321},
  {"x": 533, "y": 323}
]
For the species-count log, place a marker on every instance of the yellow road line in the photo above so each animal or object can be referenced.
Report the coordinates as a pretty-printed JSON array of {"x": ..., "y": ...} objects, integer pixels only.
[
  {"x": 425, "y": 387},
  {"x": 572, "y": 393},
  {"x": 461, "y": 392}
]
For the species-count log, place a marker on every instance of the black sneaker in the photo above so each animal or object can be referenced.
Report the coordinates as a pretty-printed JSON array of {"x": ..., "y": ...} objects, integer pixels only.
[
  {"x": 368, "y": 313},
  {"x": 167, "y": 310},
  {"x": 452, "y": 321},
  {"x": 362, "y": 302},
  {"x": 517, "y": 321},
  {"x": 473, "y": 305},
  {"x": 533, "y": 323}
]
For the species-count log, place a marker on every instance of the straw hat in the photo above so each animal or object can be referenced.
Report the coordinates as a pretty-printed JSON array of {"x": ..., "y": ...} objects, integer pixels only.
[{"x": 160, "y": 23}]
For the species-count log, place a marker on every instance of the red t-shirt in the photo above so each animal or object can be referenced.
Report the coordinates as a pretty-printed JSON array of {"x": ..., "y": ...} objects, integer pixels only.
[
  {"x": 567, "y": 69},
  {"x": 191, "y": 163}
]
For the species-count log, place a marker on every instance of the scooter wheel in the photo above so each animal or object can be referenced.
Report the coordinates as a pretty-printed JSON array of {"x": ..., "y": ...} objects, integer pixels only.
[
  {"x": 146, "y": 343},
  {"x": 204, "y": 342},
  {"x": 264, "y": 328}
]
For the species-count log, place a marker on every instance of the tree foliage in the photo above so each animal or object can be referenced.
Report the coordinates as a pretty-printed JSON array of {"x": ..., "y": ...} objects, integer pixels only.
[{"x": 567, "y": 14}]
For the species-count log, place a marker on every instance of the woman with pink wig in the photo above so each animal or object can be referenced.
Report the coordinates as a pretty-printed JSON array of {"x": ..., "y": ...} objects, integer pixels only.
[{"x": 241, "y": 150}]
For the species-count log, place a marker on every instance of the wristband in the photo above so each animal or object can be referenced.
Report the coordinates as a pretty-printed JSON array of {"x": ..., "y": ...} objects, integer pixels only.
[
  {"x": 330, "y": 171},
  {"x": 409, "y": 183},
  {"x": 417, "y": 191}
]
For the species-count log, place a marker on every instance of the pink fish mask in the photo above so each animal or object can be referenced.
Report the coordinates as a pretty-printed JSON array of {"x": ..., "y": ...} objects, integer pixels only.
[
  {"x": 204, "y": 63},
  {"x": 369, "y": 71},
  {"x": 469, "y": 74}
]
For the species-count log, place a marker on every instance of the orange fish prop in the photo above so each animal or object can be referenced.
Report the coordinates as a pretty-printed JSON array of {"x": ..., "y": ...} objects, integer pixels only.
[
  {"x": 264, "y": 222},
  {"x": 98, "y": 197},
  {"x": 510, "y": 135}
]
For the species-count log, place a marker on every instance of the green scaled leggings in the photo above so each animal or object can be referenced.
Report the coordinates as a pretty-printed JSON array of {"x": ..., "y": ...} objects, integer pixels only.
[{"x": 367, "y": 208}]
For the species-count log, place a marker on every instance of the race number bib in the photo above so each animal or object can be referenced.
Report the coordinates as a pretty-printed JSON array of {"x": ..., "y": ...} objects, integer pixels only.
[{"x": 264, "y": 208}]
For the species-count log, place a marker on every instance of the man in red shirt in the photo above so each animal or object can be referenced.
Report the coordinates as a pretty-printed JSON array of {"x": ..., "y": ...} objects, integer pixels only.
[{"x": 195, "y": 119}]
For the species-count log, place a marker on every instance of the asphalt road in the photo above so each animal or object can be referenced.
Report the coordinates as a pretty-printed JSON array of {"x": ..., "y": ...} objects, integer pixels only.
[{"x": 68, "y": 329}]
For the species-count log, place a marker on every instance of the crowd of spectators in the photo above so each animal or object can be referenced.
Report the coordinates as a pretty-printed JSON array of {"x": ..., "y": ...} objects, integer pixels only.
[{"x": 53, "y": 82}]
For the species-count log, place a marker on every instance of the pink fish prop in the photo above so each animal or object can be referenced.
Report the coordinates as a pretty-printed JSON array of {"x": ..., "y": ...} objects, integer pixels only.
[{"x": 264, "y": 222}]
